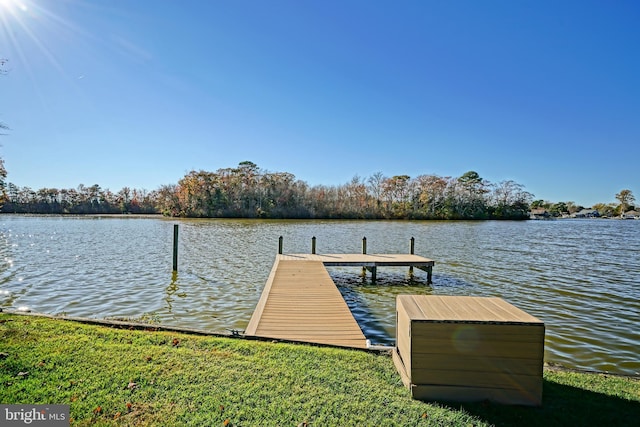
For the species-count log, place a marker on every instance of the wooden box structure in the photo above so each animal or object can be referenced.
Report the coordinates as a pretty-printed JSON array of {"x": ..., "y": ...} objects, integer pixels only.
[{"x": 460, "y": 348}]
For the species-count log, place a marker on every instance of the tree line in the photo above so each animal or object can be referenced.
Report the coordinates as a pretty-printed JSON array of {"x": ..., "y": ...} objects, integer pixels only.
[
  {"x": 625, "y": 198},
  {"x": 246, "y": 191},
  {"x": 79, "y": 201}
]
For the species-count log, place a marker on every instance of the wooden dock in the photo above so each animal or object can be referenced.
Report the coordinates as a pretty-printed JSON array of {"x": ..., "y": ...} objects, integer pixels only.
[
  {"x": 369, "y": 261},
  {"x": 300, "y": 302}
]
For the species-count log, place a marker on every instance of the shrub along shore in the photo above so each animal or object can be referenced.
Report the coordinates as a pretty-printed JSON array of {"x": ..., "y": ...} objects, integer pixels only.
[{"x": 147, "y": 376}]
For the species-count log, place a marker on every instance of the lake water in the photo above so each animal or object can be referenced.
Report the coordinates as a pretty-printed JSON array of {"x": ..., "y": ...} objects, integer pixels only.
[{"x": 581, "y": 277}]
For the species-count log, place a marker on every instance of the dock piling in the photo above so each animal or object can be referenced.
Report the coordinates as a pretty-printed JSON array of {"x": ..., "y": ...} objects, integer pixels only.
[
  {"x": 313, "y": 245},
  {"x": 280, "y": 239},
  {"x": 412, "y": 252},
  {"x": 374, "y": 273},
  {"x": 364, "y": 251},
  {"x": 175, "y": 247}
]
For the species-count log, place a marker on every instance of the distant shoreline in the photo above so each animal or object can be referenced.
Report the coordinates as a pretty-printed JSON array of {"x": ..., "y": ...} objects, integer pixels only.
[
  {"x": 169, "y": 218},
  {"x": 89, "y": 215}
]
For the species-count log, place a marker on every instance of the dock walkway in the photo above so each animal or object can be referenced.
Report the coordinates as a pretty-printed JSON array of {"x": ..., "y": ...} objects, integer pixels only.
[{"x": 300, "y": 302}]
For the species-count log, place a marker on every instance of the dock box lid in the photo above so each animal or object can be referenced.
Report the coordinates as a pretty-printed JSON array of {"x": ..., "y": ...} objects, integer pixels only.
[{"x": 465, "y": 309}]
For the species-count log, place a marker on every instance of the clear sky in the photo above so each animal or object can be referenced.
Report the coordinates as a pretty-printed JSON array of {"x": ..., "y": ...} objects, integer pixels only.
[{"x": 139, "y": 92}]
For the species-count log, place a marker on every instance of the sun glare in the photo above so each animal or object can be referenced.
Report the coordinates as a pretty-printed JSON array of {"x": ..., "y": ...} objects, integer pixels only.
[
  {"x": 28, "y": 28},
  {"x": 12, "y": 13},
  {"x": 13, "y": 6}
]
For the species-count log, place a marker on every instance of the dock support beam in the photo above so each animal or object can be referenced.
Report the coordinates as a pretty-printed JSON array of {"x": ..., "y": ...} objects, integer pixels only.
[
  {"x": 373, "y": 271},
  {"x": 429, "y": 271}
]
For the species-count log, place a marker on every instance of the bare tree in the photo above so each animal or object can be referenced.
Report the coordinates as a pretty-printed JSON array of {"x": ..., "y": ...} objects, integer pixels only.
[
  {"x": 626, "y": 199},
  {"x": 375, "y": 184}
]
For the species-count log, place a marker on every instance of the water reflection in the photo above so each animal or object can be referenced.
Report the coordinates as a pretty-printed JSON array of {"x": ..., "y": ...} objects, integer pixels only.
[{"x": 171, "y": 290}]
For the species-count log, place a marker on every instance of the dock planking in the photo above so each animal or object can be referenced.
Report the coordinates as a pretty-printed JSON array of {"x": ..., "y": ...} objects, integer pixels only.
[
  {"x": 300, "y": 301},
  {"x": 370, "y": 260}
]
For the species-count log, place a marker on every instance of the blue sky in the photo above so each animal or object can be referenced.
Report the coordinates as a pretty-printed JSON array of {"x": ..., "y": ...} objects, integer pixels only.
[{"x": 138, "y": 93}]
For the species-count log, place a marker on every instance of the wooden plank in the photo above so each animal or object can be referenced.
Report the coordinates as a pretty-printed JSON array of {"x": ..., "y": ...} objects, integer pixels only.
[
  {"x": 403, "y": 340},
  {"x": 449, "y": 308},
  {"x": 474, "y": 363},
  {"x": 445, "y": 393},
  {"x": 477, "y": 331},
  {"x": 407, "y": 304},
  {"x": 399, "y": 363},
  {"x": 518, "y": 350},
  {"x": 301, "y": 303},
  {"x": 366, "y": 260},
  {"x": 474, "y": 379},
  {"x": 257, "y": 313},
  {"x": 517, "y": 395}
]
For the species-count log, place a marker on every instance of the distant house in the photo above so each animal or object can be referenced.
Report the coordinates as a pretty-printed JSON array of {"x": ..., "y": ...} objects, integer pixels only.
[
  {"x": 630, "y": 215},
  {"x": 539, "y": 213},
  {"x": 587, "y": 213}
]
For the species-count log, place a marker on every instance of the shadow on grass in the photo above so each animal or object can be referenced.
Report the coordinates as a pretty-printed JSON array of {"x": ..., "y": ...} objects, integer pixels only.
[{"x": 562, "y": 405}]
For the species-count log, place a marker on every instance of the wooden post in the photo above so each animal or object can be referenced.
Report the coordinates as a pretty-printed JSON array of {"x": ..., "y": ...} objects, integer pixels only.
[
  {"x": 374, "y": 272},
  {"x": 280, "y": 245},
  {"x": 313, "y": 245},
  {"x": 412, "y": 251},
  {"x": 175, "y": 247},
  {"x": 364, "y": 251}
]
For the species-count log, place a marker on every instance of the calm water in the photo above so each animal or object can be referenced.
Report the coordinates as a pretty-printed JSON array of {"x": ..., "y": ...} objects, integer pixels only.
[{"x": 581, "y": 277}]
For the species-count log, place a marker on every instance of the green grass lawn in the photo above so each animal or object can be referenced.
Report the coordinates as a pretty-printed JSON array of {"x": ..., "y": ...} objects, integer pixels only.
[{"x": 134, "y": 377}]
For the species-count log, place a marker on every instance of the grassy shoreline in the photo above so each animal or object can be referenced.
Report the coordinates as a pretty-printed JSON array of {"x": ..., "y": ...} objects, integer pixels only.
[{"x": 112, "y": 376}]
